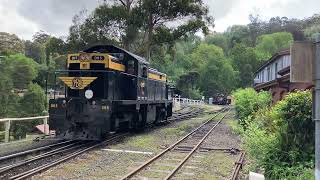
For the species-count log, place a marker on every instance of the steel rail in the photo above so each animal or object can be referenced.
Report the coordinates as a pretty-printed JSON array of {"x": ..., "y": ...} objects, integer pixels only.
[
  {"x": 188, "y": 114},
  {"x": 32, "y": 150},
  {"x": 38, "y": 157},
  {"x": 63, "y": 159},
  {"x": 63, "y": 149},
  {"x": 194, "y": 149},
  {"x": 238, "y": 166},
  {"x": 138, "y": 169}
]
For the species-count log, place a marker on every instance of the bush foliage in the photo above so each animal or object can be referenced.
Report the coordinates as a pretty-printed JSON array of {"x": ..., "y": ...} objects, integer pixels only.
[
  {"x": 281, "y": 138},
  {"x": 248, "y": 101}
]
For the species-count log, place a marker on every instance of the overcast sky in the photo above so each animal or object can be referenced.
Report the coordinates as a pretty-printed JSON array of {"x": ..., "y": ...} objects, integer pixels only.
[{"x": 25, "y": 17}]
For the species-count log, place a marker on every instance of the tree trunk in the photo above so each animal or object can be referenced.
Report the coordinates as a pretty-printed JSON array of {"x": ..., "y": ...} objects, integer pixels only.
[
  {"x": 149, "y": 37},
  {"x": 126, "y": 40}
]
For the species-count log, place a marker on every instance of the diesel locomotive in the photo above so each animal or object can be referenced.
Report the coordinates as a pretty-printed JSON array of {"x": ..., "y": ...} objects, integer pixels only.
[{"x": 107, "y": 89}]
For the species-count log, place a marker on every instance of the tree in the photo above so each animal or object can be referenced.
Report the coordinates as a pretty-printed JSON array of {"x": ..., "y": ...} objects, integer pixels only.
[
  {"x": 218, "y": 39},
  {"x": 256, "y": 28},
  {"x": 244, "y": 61},
  {"x": 187, "y": 85},
  {"x": 238, "y": 34},
  {"x": 55, "y": 45},
  {"x": 40, "y": 37},
  {"x": 158, "y": 13},
  {"x": 35, "y": 51},
  {"x": 33, "y": 102},
  {"x": 311, "y": 31},
  {"x": 272, "y": 43},
  {"x": 22, "y": 70},
  {"x": 216, "y": 72},
  {"x": 10, "y": 44},
  {"x": 5, "y": 88},
  {"x": 142, "y": 22},
  {"x": 104, "y": 26}
]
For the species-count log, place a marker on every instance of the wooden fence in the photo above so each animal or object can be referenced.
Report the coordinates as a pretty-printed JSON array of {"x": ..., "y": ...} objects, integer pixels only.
[{"x": 8, "y": 121}]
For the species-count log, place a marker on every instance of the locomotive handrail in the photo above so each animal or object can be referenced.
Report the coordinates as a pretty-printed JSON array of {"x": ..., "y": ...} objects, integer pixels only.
[{"x": 7, "y": 122}]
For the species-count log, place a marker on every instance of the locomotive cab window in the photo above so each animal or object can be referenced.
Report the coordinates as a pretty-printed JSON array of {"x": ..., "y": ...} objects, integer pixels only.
[
  {"x": 130, "y": 67},
  {"x": 144, "y": 72}
]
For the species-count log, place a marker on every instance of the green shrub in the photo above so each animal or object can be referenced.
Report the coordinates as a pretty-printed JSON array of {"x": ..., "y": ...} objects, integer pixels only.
[
  {"x": 248, "y": 101},
  {"x": 281, "y": 138},
  {"x": 33, "y": 103}
]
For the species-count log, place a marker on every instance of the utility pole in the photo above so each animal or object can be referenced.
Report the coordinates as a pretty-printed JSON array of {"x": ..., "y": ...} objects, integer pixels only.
[{"x": 317, "y": 108}]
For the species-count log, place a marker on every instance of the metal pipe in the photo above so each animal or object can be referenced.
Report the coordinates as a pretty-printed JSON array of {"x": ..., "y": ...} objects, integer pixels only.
[{"x": 317, "y": 106}]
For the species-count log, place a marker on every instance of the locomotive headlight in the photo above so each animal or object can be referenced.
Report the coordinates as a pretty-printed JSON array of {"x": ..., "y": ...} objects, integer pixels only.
[
  {"x": 88, "y": 94},
  {"x": 93, "y": 102}
]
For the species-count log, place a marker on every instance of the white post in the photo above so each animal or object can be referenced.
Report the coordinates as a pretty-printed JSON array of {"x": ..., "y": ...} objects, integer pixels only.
[
  {"x": 316, "y": 108},
  {"x": 7, "y": 132},
  {"x": 45, "y": 123}
]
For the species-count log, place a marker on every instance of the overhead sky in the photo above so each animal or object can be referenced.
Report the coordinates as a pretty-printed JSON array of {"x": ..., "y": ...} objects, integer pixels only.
[{"x": 25, "y": 17}]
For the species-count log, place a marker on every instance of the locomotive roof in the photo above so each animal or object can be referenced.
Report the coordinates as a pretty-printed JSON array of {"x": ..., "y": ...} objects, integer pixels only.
[
  {"x": 156, "y": 71},
  {"x": 114, "y": 49}
]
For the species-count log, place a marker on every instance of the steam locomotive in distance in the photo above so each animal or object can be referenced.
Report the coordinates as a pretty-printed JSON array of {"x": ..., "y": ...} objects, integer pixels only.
[{"x": 108, "y": 89}]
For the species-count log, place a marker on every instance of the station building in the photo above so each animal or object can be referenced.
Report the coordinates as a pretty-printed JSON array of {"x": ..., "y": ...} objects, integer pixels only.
[{"x": 274, "y": 76}]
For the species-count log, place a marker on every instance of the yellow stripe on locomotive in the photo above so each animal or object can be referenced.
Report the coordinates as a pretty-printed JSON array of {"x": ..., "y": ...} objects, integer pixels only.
[
  {"x": 158, "y": 77},
  {"x": 85, "y": 59}
]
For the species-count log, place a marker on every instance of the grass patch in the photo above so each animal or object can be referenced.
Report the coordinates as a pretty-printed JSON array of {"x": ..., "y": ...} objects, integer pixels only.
[
  {"x": 172, "y": 131},
  {"x": 163, "y": 167},
  {"x": 234, "y": 125},
  {"x": 217, "y": 163},
  {"x": 152, "y": 174},
  {"x": 143, "y": 142}
]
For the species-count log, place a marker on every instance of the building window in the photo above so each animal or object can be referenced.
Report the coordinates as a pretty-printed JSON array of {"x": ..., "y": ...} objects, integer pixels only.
[{"x": 269, "y": 74}]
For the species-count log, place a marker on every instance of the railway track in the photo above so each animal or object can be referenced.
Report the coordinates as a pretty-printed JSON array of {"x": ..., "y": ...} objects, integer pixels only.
[
  {"x": 170, "y": 156},
  {"x": 34, "y": 150},
  {"x": 193, "y": 112},
  {"x": 27, "y": 163},
  {"x": 39, "y": 163}
]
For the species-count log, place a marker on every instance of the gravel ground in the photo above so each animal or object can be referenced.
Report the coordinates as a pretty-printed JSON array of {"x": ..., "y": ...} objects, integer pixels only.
[
  {"x": 102, "y": 164},
  {"x": 222, "y": 136}
]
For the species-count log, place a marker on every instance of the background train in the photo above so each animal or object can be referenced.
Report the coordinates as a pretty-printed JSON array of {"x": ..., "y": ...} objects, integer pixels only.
[
  {"x": 108, "y": 89},
  {"x": 221, "y": 99}
]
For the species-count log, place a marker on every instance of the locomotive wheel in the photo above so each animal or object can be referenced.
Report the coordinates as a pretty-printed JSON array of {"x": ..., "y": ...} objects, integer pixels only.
[
  {"x": 139, "y": 121},
  {"x": 161, "y": 115}
]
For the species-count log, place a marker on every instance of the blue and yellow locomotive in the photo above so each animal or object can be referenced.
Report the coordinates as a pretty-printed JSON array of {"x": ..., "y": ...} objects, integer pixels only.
[{"x": 108, "y": 89}]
